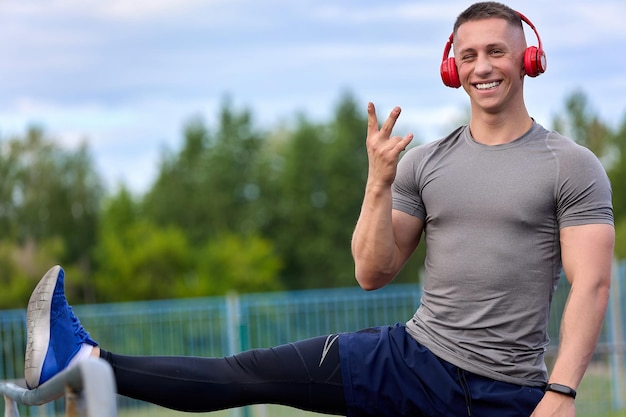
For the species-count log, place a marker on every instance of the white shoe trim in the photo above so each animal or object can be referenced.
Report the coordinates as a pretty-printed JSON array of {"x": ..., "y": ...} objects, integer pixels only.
[{"x": 38, "y": 326}]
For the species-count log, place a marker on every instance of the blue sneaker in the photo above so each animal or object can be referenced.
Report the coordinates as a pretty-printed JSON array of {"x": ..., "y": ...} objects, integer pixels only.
[{"x": 55, "y": 334}]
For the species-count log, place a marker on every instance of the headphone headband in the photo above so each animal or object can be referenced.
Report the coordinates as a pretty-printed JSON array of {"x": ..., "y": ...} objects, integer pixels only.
[
  {"x": 534, "y": 59},
  {"x": 529, "y": 23}
]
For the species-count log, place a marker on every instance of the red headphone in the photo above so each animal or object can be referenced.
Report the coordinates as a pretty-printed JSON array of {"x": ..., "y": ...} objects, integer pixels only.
[{"x": 534, "y": 60}]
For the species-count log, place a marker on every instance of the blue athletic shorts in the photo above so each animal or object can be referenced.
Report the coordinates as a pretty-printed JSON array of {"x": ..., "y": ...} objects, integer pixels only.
[{"x": 387, "y": 373}]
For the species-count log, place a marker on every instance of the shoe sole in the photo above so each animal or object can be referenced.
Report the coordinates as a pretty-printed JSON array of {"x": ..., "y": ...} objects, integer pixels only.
[{"x": 38, "y": 326}]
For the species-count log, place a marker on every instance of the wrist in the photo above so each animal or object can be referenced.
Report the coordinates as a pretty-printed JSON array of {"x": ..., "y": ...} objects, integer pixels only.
[
  {"x": 561, "y": 390},
  {"x": 377, "y": 186}
]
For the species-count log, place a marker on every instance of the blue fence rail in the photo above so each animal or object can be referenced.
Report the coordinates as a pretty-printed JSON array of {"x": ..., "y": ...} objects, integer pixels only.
[{"x": 219, "y": 326}]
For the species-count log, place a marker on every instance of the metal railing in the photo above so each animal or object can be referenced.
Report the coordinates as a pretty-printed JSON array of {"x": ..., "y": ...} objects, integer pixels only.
[{"x": 88, "y": 387}]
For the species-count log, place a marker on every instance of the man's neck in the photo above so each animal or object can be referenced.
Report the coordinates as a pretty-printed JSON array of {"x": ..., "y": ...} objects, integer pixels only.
[{"x": 498, "y": 129}]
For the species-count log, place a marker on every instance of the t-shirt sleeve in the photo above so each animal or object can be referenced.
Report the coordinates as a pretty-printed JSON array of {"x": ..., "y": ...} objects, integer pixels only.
[
  {"x": 405, "y": 189},
  {"x": 584, "y": 195}
]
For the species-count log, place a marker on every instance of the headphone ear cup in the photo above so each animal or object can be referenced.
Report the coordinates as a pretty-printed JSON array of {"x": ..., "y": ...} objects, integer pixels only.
[
  {"x": 534, "y": 61},
  {"x": 449, "y": 73}
]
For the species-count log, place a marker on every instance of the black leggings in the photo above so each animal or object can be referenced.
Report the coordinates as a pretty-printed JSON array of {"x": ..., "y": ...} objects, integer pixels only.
[{"x": 304, "y": 374}]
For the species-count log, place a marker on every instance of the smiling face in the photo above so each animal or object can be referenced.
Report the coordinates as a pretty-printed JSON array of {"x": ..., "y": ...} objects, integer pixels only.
[{"x": 489, "y": 54}]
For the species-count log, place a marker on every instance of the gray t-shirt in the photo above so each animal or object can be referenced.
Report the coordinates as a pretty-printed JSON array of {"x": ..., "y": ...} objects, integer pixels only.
[{"x": 492, "y": 218}]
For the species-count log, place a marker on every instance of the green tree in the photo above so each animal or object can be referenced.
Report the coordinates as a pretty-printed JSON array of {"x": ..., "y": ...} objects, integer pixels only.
[
  {"x": 47, "y": 194},
  {"x": 142, "y": 262},
  {"x": 57, "y": 193},
  {"x": 297, "y": 211},
  {"x": 581, "y": 123},
  {"x": 21, "y": 267},
  {"x": 232, "y": 262},
  {"x": 617, "y": 174},
  {"x": 137, "y": 260},
  {"x": 318, "y": 182},
  {"x": 323, "y": 181},
  {"x": 188, "y": 235},
  {"x": 208, "y": 187}
]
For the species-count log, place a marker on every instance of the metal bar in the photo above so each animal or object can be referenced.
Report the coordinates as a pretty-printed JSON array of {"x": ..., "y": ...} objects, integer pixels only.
[
  {"x": 89, "y": 388},
  {"x": 614, "y": 335},
  {"x": 10, "y": 408}
]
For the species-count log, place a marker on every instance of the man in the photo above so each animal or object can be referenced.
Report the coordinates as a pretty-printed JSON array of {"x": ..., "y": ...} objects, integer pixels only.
[{"x": 503, "y": 205}]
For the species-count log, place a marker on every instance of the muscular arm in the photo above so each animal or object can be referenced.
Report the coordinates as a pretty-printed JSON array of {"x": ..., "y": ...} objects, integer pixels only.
[
  {"x": 587, "y": 253},
  {"x": 382, "y": 243},
  {"x": 383, "y": 238}
]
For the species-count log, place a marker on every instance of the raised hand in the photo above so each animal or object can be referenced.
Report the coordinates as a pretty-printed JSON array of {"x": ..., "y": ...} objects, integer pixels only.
[{"x": 383, "y": 150}]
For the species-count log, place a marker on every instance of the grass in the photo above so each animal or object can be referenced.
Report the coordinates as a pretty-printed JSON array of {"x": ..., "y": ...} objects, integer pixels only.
[
  {"x": 253, "y": 411},
  {"x": 278, "y": 411},
  {"x": 615, "y": 414}
]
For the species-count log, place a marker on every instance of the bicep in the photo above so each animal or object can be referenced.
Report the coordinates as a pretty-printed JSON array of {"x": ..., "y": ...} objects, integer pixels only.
[
  {"x": 587, "y": 250},
  {"x": 407, "y": 231}
]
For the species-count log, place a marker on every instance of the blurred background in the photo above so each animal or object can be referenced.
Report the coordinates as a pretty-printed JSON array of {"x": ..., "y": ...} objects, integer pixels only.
[
  {"x": 171, "y": 149},
  {"x": 188, "y": 148}
]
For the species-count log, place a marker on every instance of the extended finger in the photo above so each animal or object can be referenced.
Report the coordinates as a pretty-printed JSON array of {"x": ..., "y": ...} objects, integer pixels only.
[
  {"x": 402, "y": 142},
  {"x": 391, "y": 121},
  {"x": 372, "y": 120}
]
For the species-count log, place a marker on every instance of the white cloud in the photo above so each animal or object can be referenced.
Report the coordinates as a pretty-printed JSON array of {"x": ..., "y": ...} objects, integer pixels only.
[
  {"x": 602, "y": 19},
  {"x": 390, "y": 12},
  {"x": 112, "y": 9}
]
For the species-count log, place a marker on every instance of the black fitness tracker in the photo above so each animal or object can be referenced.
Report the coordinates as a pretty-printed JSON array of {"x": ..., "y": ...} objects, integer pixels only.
[{"x": 561, "y": 389}]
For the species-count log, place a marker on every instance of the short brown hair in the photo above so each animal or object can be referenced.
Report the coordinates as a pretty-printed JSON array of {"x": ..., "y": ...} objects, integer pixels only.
[{"x": 487, "y": 10}]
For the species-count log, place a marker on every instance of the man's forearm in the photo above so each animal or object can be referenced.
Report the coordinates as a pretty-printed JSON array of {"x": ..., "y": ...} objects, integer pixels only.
[
  {"x": 373, "y": 244},
  {"x": 580, "y": 329}
]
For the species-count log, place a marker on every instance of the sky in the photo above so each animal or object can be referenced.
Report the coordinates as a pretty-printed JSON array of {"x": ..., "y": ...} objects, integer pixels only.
[{"x": 125, "y": 76}]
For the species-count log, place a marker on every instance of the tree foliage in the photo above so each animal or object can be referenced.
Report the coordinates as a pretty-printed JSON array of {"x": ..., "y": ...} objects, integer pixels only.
[
  {"x": 232, "y": 263},
  {"x": 208, "y": 187},
  {"x": 617, "y": 174},
  {"x": 140, "y": 260},
  {"x": 320, "y": 192},
  {"x": 581, "y": 123},
  {"x": 49, "y": 206}
]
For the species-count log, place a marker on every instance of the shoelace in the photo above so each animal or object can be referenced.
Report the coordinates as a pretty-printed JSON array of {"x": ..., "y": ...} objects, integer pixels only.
[{"x": 79, "y": 330}]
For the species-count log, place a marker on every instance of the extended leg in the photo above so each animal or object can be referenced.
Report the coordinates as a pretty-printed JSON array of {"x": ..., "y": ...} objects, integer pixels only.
[{"x": 304, "y": 374}]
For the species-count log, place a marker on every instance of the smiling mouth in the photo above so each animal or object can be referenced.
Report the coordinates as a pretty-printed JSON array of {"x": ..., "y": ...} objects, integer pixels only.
[{"x": 487, "y": 86}]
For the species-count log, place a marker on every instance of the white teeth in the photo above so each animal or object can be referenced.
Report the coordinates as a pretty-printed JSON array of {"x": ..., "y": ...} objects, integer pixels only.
[{"x": 486, "y": 86}]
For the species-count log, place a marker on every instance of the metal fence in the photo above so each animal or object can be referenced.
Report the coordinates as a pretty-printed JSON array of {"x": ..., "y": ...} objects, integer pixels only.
[
  {"x": 88, "y": 390},
  {"x": 219, "y": 326}
]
